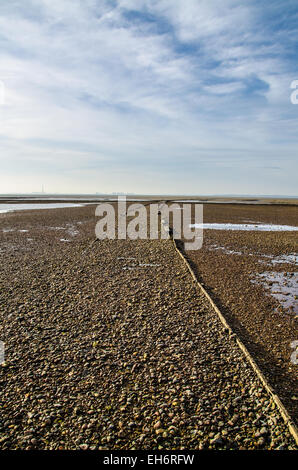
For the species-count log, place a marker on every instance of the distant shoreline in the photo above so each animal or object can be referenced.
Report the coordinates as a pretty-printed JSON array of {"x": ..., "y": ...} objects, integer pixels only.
[{"x": 83, "y": 198}]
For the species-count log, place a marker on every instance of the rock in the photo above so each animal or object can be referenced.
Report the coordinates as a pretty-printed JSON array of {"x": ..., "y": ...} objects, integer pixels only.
[{"x": 84, "y": 446}]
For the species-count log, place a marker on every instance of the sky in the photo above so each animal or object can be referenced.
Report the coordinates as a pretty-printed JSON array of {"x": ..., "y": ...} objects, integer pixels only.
[{"x": 148, "y": 96}]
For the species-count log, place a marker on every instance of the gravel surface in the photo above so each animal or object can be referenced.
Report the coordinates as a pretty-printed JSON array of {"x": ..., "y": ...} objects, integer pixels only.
[
  {"x": 110, "y": 345},
  {"x": 232, "y": 264}
]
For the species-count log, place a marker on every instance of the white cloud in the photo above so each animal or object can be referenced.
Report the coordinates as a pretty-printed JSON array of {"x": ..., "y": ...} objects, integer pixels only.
[{"x": 87, "y": 86}]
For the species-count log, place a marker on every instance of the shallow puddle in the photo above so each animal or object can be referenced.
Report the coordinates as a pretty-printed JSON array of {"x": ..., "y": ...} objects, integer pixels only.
[
  {"x": 148, "y": 264},
  {"x": 282, "y": 286},
  {"x": 225, "y": 250},
  {"x": 291, "y": 258},
  {"x": 247, "y": 227},
  {"x": 70, "y": 229},
  {"x": 22, "y": 207}
]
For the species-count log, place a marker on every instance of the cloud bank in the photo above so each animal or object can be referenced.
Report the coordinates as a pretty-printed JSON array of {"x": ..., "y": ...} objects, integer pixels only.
[{"x": 158, "y": 96}]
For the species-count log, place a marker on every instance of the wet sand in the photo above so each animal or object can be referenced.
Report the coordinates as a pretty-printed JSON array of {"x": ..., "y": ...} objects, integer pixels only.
[{"x": 109, "y": 345}]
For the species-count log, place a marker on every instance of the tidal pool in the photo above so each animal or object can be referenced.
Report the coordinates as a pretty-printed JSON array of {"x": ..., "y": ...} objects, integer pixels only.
[
  {"x": 22, "y": 207},
  {"x": 247, "y": 227},
  {"x": 282, "y": 286}
]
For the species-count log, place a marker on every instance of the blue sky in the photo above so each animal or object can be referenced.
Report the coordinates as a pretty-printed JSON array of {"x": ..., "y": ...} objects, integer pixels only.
[{"x": 155, "y": 96}]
